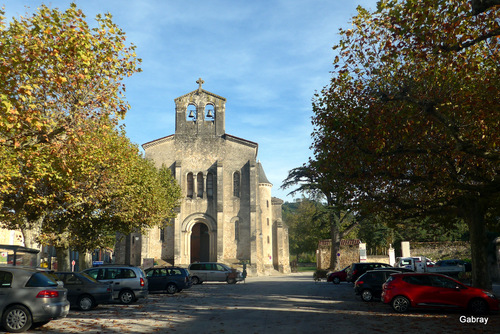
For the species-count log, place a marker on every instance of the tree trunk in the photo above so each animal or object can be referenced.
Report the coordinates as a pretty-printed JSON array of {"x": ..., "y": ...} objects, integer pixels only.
[
  {"x": 84, "y": 260},
  {"x": 62, "y": 255},
  {"x": 474, "y": 215},
  {"x": 335, "y": 236},
  {"x": 31, "y": 234}
]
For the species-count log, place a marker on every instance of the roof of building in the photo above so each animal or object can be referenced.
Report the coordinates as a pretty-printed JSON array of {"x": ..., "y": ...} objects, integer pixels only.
[
  {"x": 343, "y": 242},
  {"x": 262, "y": 174}
]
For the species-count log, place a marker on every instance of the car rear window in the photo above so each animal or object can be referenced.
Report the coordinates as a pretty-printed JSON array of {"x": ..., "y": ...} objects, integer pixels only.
[
  {"x": 88, "y": 277},
  {"x": 41, "y": 279}
]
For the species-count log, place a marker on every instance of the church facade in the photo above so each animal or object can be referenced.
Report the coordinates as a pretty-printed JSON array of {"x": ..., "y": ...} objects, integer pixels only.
[{"x": 227, "y": 213}]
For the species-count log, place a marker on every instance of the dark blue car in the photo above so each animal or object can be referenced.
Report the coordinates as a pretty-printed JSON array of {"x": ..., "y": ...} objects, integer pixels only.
[{"x": 169, "y": 279}]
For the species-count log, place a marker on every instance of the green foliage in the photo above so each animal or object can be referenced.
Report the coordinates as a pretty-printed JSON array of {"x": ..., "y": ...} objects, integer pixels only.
[
  {"x": 305, "y": 226},
  {"x": 408, "y": 124},
  {"x": 69, "y": 176}
]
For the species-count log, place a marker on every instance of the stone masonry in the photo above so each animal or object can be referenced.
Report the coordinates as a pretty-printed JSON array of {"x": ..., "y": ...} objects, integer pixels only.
[{"x": 227, "y": 213}]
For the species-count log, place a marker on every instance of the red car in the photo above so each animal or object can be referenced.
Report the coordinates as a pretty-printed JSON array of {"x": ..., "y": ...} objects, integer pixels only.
[
  {"x": 423, "y": 290},
  {"x": 338, "y": 276}
]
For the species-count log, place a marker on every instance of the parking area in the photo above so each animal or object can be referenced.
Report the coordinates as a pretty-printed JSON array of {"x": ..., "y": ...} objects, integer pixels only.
[{"x": 277, "y": 304}]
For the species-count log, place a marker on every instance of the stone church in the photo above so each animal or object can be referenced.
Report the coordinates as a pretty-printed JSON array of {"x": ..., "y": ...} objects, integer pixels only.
[{"x": 227, "y": 213}]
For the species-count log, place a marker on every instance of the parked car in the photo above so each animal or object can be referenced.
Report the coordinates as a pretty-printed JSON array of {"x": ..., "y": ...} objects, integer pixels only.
[
  {"x": 29, "y": 298},
  {"x": 338, "y": 276},
  {"x": 84, "y": 292},
  {"x": 169, "y": 279},
  {"x": 129, "y": 282},
  {"x": 211, "y": 271},
  {"x": 453, "y": 263},
  {"x": 369, "y": 285},
  {"x": 358, "y": 269},
  {"x": 426, "y": 290}
]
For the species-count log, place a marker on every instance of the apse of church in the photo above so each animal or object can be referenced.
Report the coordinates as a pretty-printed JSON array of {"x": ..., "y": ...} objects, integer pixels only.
[{"x": 227, "y": 213}]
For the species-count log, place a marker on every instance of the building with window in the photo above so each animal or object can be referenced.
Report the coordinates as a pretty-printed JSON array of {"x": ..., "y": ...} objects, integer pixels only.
[{"x": 227, "y": 213}]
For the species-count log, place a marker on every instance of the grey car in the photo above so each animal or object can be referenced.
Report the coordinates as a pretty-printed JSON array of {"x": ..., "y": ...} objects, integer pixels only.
[
  {"x": 212, "y": 271},
  {"x": 84, "y": 292},
  {"x": 129, "y": 282},
  {"x": 29, "y": 298}
]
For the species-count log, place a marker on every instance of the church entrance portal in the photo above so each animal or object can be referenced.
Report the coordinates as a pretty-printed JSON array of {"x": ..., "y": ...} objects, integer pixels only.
[{"x": 200, "y": 243}]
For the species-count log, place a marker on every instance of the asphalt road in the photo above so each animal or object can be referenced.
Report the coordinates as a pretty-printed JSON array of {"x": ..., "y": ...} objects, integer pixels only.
[{"x": 274, "y": 305}]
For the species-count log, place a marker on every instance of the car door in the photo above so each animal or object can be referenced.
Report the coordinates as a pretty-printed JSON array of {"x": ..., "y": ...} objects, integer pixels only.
[
  {"x": 74, "y": 286},
  {"x": 219, "y": 272},
  {"x": 421, "y": 291},
  {"x": 154, "y": 279},
  {"x": 379, "y": 278},
  {"x": 448, "y": 293}
]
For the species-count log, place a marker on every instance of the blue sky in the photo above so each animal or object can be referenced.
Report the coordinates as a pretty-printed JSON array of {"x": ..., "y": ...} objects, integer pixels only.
[{"x": 266, "y": 57}]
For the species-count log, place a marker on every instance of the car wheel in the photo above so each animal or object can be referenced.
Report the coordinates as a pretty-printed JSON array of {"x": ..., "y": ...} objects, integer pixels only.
[
  {"x": 400, "y": 304},
  {"x": 85, "y": 303},
  {"x": 16, "y": 319},
  {"x": 195, "y": 280},
  {"x": 478, "y": 306},
  {"x": 126, "y": 297},
  {"x": 171, "y": 288},
  {"x": 367, "y": 295},
  {"x": 231, "y": 281},
  {"x": 336, "y": 280}
]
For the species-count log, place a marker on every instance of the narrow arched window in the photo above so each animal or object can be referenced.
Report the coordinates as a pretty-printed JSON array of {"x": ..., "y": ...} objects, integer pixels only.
[
  {"x": 199, "y": 184},
  {"x": 210, "y": 185},
  {"x": 236, "y": 184},
  {"x": 237, "y": 230},
  {"x": 190, "y": 185}
]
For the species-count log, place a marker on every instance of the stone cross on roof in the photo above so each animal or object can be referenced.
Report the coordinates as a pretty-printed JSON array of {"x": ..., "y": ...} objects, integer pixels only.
[{"x": 200, "y": 82}]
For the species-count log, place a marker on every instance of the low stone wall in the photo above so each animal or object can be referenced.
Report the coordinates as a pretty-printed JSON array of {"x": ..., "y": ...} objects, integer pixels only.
[
  {"x": 379, "y": 259},
  {"x": 441, "y": 250},
  {"x": 349, "y": 253}
]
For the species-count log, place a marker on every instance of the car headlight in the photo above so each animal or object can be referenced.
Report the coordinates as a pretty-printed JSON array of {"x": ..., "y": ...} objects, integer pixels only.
[{"x": 489, "y": 294}]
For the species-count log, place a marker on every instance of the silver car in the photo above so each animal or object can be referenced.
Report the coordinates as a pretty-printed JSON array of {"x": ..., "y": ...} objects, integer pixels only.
[
  {"x": 212, "y": 271},
  {"x": 129, "y": 282},
  {"x": 29, "y": 297}
]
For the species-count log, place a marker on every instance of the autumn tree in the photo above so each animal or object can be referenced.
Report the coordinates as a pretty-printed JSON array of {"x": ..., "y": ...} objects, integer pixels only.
[
  {"x": 55, "y": 72},
  {"x": 68, "y": 174},
  {"x": 411, "y": 115}
]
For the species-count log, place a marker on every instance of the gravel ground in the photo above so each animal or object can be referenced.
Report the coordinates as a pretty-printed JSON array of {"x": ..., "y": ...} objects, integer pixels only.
[{"x": 278, "y": 304}]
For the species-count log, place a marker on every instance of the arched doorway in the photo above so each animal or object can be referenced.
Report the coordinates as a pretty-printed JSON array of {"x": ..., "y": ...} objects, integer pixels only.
[{"x": 200, "y": 243}]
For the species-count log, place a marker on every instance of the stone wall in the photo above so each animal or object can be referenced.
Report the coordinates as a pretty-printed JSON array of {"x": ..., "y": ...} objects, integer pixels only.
[
  {"x": 441, "y": 250},
  {"x": 349, "y": 253}
]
